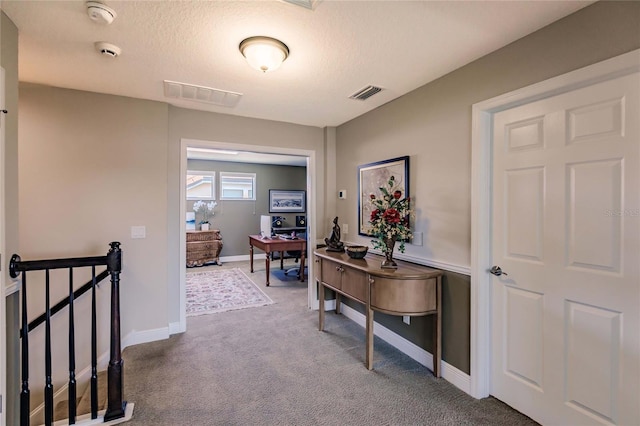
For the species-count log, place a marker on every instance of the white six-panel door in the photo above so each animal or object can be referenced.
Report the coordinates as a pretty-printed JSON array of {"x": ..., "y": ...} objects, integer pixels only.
[{"x": 566, "y": 230}]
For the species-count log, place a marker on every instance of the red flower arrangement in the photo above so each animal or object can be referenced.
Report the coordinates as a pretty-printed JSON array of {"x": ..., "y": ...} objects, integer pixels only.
[{"x": 390, "y": 218}]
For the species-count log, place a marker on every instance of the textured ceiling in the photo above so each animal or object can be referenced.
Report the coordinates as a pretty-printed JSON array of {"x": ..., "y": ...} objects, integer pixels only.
[{"x": 336, "y": 49}]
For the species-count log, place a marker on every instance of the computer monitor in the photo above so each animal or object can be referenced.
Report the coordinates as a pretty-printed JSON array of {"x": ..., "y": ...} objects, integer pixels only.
[{"x": 265, "y": 226}]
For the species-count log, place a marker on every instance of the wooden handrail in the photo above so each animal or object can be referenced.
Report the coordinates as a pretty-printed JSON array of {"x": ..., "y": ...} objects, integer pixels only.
[{"x": 17, "y": 265}]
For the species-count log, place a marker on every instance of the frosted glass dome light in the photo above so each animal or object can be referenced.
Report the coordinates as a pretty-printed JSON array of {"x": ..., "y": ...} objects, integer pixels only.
[{"x": 264, "y": 53}]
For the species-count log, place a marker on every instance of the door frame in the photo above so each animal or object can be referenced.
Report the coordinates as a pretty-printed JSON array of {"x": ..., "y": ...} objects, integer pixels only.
[
  {"x": 481, "y": 195},
  {"x": 312, "y": 298},
  {"x": 3, "y": 289}
]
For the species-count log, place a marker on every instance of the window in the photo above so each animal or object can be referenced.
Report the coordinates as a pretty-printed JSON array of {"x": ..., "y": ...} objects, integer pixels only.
[
  {"x": 237, "y": 186},
  {"x": 201, "y": 185}
]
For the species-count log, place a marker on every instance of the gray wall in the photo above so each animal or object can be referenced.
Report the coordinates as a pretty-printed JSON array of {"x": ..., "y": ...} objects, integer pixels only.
[
  {"x": 9, "y": 61},
  {"x": 92, "y": 166},
  {"x": 237, "y": 218},
  {"x": 433, "y": 126}
]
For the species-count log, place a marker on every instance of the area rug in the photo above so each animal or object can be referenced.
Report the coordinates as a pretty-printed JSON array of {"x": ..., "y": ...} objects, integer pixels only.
[{"x": 222, "y": 290}]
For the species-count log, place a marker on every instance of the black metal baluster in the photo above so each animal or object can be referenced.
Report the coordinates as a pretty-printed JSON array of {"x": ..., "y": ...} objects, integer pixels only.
[
  {"x": 24, "y": 392},
  {"x": 94, "y": 348},
  {"x": 48, "y": 387},
  {"x": 115, "y": 404},
  {"x": 72, "y": 355}
]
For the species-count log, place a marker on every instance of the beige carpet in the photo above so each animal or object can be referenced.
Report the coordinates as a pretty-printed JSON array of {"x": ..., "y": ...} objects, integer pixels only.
[{"x": 271, "y": 366}]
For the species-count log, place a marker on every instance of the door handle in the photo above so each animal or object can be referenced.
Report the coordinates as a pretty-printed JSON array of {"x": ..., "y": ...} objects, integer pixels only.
[{"x": 495, "y": 270}]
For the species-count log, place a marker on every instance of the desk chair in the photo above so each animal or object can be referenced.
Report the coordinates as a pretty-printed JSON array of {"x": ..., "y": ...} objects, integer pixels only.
[{"x": 297, "y": 254}]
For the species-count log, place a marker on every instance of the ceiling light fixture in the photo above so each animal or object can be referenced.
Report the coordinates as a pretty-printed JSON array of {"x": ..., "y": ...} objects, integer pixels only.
[{"x": 264, "y": 53}]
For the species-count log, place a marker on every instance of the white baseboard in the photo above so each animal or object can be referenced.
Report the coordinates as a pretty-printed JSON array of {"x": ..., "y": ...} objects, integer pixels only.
[
  {"x": 330, "y": 305},
  {"x": 456, "y": 377},
  {"x": 450, "y": 373},
  {"x": 176, "y": 328},
  {"x": 12, "y": 287},
  {"x": 146, "y": 336},
  {"x": 242, "y": 257}
]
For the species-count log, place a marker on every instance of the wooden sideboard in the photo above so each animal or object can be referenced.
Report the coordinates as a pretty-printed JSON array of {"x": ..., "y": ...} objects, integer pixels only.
[
  {"x": 203, "y": 247},
  {"x": 411, "y": 289}
]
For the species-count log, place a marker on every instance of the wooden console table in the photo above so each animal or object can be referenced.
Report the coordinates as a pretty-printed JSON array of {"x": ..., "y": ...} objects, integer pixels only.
[
  {"x": 269, "y": 245},
  {"x": 412, "y": 290}
]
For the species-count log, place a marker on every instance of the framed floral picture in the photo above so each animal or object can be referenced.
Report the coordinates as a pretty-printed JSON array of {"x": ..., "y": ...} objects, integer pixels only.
[{"x": 372, "y": 177}]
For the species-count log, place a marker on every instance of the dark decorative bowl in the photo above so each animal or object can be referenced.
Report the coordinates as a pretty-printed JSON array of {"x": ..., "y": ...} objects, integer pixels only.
[{"x": 357, "y": 252}]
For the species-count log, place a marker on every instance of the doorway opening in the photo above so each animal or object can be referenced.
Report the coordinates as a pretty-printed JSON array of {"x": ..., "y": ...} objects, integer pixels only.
[{"x": 258, "y": 155}]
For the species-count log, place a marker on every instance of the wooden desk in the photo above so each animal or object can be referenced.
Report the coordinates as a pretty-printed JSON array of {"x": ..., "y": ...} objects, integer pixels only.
[
  {"x": 412, "y": 290},
  {"x": 269, "y": 245},
  {"x": 286, "y": 230}
]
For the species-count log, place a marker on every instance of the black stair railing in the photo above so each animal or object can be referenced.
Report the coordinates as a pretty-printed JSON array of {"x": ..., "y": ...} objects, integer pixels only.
[{"x": 113, "y": 262}]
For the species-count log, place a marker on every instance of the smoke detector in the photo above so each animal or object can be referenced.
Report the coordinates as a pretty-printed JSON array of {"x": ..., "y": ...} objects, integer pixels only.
[
  {"x": 100, "y": 13},
  {"x": 107, "y": 49}
]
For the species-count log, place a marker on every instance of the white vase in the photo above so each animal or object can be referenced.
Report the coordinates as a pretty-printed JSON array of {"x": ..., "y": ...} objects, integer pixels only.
[{"x": 204, "y": 226}]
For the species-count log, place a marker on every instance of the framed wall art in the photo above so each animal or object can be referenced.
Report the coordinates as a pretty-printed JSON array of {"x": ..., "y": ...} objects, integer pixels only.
[
  {"x": 284, "y": 201},
  {"x": 371, "y": 177},
  {"x": 191, "y": 221}
]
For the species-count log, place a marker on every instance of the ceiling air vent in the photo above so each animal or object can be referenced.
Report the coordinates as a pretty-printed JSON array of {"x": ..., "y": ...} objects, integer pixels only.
[
  {"x": 209, "y": 95},
  {"x": 365, "y": 93}
]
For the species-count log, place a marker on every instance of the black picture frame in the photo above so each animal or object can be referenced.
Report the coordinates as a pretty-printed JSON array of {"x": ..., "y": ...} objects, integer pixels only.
[
  {"x": 287, "y": 201},
  {"x": 371, "y": 177}
]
